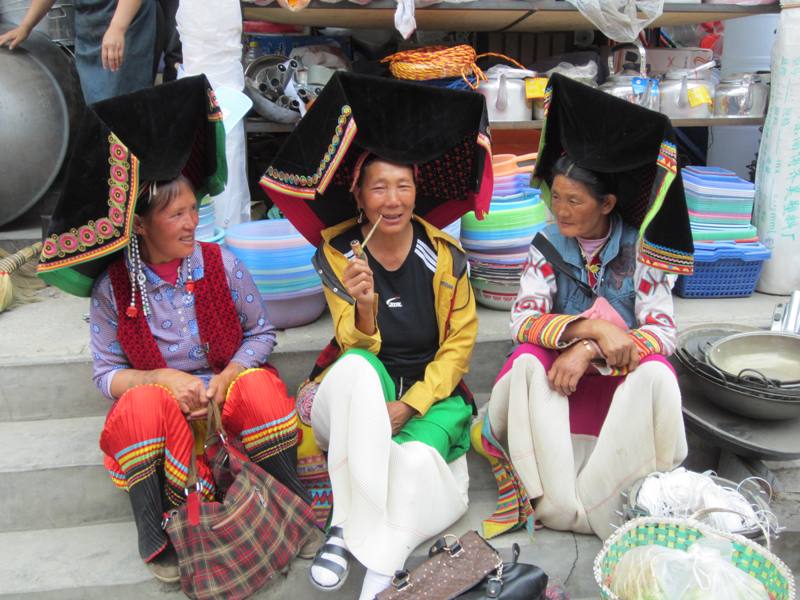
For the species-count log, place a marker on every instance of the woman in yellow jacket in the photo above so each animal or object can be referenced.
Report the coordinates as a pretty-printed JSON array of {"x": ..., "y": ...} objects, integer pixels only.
[{"x": 389, "y": 411}]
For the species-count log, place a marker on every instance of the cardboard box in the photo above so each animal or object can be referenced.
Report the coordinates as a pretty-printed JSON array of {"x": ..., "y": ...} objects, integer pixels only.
[{"x": 661, "y": 60}]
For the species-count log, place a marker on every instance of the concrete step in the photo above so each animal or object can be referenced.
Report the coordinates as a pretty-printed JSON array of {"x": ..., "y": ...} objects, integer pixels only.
[
  {"x": 52, "y": 475},
  {"x": 46, "y": 371},
  {"x": 101, "y": 561},
  {"x": 45, "y": 364}
]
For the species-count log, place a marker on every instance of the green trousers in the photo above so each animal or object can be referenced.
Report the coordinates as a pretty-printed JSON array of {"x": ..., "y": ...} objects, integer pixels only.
[{"x": 445, "y": 427}]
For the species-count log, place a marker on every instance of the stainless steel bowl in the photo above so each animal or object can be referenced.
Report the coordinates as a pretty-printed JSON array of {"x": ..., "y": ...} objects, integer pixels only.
[{"x": 769, "y": 357}]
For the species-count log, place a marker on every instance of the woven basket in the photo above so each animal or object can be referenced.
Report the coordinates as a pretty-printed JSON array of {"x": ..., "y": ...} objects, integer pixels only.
[
  {"x": 680, "y": 533},
  {"x": 439, "y": 62}
]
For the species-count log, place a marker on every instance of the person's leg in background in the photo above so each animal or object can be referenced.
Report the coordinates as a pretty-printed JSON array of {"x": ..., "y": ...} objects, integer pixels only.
[{"x": 171, "y": 47}]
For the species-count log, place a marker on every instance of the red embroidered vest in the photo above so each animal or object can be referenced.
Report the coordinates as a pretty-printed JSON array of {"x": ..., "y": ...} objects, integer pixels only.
[{"x": 217, "y": 319}]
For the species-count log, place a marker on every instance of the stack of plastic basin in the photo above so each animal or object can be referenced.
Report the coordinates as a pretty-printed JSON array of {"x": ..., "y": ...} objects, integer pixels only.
[
  {"x": 497, "y": 246},
  {"x": 720, "y": 205},
  {"x": 206, "y": 231},
  {"x": 279, "y": 258},
  {"x": 727, "y": 255}
]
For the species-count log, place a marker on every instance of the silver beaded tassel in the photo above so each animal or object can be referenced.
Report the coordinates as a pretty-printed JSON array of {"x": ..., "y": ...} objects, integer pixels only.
[
  {"x": 188, "y": 282},
  {"x": 138, "y": 279}
]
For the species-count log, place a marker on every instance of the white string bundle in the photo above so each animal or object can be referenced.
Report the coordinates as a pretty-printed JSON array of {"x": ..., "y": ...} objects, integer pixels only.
[{"x": 680, "y": 493}]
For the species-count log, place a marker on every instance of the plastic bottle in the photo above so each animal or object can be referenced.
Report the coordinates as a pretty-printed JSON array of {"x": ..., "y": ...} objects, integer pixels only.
[{"x": 252, "y": 52}]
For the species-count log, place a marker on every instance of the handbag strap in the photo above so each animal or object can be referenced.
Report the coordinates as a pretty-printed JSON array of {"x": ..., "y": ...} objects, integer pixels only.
[
  {"x": 453, "y": 547},
  {"x": 552, "y": 256},
  {"x": 213, "y": 430}
]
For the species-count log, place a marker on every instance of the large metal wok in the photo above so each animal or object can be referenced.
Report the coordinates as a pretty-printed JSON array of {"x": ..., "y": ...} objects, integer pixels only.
[
  {"x": 40, "y": 100},
  {"x": 744, "y": 401},
  {"x": 755, "y": 402},
  {"x": 694, "y": 344},
  {"x": 769, "y": 358}
]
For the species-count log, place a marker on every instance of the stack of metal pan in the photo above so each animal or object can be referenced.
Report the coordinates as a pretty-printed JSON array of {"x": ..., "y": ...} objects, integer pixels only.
[{"x": 750, "y": 372}]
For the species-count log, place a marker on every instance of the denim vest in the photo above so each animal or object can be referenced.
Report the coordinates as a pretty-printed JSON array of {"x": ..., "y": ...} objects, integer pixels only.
[{"x": 614, "y": 280}]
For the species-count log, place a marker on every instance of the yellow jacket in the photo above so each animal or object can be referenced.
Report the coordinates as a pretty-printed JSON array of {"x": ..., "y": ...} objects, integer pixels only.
[{"x": 455, "y": 313}]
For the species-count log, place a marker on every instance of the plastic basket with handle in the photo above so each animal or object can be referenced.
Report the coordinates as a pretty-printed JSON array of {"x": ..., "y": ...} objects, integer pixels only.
[
  {"x": 680, "y": 533},
  {"x": 723, "y": 270}
]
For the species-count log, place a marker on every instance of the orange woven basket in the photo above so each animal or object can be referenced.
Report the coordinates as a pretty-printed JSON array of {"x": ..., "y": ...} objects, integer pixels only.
[{"x": 439, "y": 62}]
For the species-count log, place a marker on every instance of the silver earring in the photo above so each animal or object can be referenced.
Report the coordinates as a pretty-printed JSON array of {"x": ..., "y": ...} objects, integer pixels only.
[
  {"x": 360, "y": 218},
  {"x": 138, "y": 280}
]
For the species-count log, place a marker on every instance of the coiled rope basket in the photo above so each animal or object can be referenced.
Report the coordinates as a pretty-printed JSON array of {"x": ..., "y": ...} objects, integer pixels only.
[{"x": 440, "y": 62}]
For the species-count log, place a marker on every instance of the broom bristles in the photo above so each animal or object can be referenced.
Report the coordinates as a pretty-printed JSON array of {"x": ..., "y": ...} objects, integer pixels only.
[{"x": 21, "y": 285}]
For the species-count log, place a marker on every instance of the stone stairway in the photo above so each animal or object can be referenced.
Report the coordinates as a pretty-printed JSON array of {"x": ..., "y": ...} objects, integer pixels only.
[{"x": 67, "y": 532}]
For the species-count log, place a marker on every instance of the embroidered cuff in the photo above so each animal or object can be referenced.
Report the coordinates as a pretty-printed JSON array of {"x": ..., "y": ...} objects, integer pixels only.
[
  {"x": 546, "y": 331},
  {"x": 646, "y": 342}
]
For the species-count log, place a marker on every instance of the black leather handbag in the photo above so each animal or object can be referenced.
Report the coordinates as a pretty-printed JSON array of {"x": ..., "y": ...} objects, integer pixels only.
[{"x": 511, "y": 581}]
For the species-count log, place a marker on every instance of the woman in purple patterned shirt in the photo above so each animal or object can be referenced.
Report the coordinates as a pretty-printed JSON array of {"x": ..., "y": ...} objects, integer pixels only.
[{"x": 176, "y": 325}]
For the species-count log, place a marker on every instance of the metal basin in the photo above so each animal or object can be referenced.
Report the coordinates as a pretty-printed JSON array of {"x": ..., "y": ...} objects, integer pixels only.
[
  {"x": 746, "y": 403},
  {"x": 768, "y": 357},
  {"x": 694, "y": 344},
  {"x": 743, "y": 386},
  {"x": 39, "y": 96}
]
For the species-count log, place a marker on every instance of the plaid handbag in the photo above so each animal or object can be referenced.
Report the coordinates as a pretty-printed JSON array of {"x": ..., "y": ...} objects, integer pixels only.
[{"x": 230, "y": 549}]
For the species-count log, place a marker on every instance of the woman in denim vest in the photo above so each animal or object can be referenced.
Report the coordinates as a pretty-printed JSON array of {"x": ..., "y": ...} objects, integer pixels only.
[{"x": 587, "y": 403}]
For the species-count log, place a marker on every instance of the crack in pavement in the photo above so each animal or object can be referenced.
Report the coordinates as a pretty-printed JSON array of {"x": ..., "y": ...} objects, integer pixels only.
[{"x": 574, "y": 562}]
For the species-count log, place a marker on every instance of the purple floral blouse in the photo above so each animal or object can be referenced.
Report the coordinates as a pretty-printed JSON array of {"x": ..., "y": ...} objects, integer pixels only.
[{"x": 174, "y": 323}]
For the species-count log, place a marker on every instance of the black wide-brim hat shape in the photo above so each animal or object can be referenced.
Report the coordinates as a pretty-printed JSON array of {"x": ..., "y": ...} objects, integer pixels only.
[
  {"x": 635, "y": 148},
  {"x": 122, "y": 144},
  {"x": 443, "y": 132}
]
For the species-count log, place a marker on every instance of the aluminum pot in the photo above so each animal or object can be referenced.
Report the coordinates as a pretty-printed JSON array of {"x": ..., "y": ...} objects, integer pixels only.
[
  {"x": 687, "y": 94},
  {"x": 40, "y": 103},
  {"x": 505, "y": 97},
  {"x": 634, "y": 88},
  {"x": 741, "y": 95},
  {"x": 770, "y": 357}
]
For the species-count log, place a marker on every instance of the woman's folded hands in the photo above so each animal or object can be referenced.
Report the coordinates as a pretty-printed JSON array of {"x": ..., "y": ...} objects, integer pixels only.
[
  {"x": 192, "y": 395},
  {"x": 569, "y": 367},
  {"x": 189, "y": 390},
  {"x": 617, "y": 346}
]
